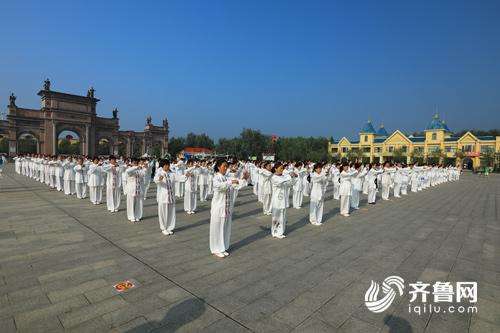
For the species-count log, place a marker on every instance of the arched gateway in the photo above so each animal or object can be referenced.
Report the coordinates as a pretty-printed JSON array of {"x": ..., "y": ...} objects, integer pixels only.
[{"x": 66, "y": 112}]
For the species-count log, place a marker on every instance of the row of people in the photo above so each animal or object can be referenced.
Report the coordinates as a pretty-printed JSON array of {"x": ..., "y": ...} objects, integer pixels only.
[{"x": 273, "y": 184}]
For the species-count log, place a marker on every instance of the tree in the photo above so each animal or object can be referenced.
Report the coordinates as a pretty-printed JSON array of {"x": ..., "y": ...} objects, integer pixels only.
[
  {"x": 436, "y": 157},
  {"x": 399, "y": 156},
  {"x": 175, "y": 145},
  {"x": 488, "y": 157},
  {"x": 4, "y": 144},
  {"x": 416, "y": 157}
]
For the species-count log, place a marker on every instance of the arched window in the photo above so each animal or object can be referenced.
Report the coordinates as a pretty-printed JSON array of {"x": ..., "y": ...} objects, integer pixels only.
[
  {"x": 366, "y": 138},
  {"x": 434, "y": 136}
]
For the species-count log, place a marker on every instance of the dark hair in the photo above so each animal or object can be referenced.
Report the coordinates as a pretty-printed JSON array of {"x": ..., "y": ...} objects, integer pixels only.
[
  {"x": 112, "y": 157},
  {"x": 276, "y": 166},
  {"x": 317, "y": 165},
  {"x": 164, "y": 162},
  {"x": 357, "y": 165},
  {"x": 218, "y": 164}
]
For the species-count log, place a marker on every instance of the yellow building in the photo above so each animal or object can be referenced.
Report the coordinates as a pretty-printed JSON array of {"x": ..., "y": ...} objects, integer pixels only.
[{"x": 437, "y": 146}]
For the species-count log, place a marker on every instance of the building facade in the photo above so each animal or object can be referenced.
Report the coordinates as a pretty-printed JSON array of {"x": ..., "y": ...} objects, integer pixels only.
[
  {"x": 437, "y": 145},
  {"x": 62, "y": 113}
]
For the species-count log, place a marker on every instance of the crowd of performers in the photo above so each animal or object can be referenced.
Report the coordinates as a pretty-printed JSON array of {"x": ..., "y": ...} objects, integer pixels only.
[{"x": 273, "y": 185}]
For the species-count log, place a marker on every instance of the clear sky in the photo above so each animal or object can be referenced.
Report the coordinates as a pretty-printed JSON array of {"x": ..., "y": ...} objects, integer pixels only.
[{"x": 285, "y": 67}]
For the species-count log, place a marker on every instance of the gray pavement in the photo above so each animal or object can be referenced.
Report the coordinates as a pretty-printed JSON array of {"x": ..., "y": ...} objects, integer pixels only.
[{"x": 60, "y": 257}]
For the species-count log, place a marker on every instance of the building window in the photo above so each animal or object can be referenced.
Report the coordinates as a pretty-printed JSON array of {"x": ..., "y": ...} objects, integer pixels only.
[
  {"x": 355, "y": 149},
  {"x": 366, "y": 138},
  {"x": 390, "y": 149},
  {"x": 487, "y": 149},
  {"x": 450, "y": 149},
  {"x": 366, "y": 149},
  {"x": 468, "y": 148},
  {"x": 433, "y": 148},
  {"x": 404, "y": 149},
  {"x": 418, "y": 149},
  {"x": 344, "y": 149},
  {"x": 378, "y": 149},
  {"x": 434, "y": 136},
  {"x": 334, "y": 150}
]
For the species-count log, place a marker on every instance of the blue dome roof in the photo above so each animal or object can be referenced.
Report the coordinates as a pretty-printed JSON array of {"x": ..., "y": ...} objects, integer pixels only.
[
  {"x": 447, "y": 130},
  {"x": 381, "y": 131},
  {"x": 368, "y": 128},
  {"x": 435, "y": 124}
]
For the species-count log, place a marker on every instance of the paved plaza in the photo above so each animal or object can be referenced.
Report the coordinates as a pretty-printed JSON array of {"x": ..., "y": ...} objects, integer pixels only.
[{"x": 60, "y": 257}]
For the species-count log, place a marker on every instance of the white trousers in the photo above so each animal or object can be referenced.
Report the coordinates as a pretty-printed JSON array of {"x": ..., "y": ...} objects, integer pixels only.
[
  {"x": 203, "y": 193},
  {"x": 345, "y": 201},
  {"x": 372, "y": 194},
  {"x": 336, "y": 193},
  {"x": 355, "y": 199},
  {"x": 113, "y": 197},
  {"x": 220, "y": 233},
  {"x": 179, "y": 189},
  {"x": 414, "y": 186},
  {"x": 266, "y": 203},
  {"x": 146, "y": 188},
  {"x": 190, "y": 201},
  {"x": 81, "y": 190},
  {"x": 95, "y": 194},
  {"x": 385, "y": 191},
  {"x": 316, "y": 211},
  {"x": 166, "y": 216},
  {"x": 397, "y": 189},
  {"x": 69, "y": 187},
  {"x": 134, "y": 207},
  {"x": 256, "y": 188},
  {"x": 59, "y": 183},
  {"x": 404, "y": 188},
  {"x": 278, "y": 223},
  {"x": 298, "y": 196}
]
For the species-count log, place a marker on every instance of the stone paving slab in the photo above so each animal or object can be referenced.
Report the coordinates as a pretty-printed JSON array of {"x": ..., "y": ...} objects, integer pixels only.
[{"x": 60, "y": 257}]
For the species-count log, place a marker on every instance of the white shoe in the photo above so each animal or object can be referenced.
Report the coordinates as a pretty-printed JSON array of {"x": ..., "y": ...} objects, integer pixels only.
[
  {"x": 220, "y": 255},
  {"x": 165, "y": 232},
  {"x": 170, "y": 232},
  {"x": 136, "y": 220},
  {"x": 280, "y": 236},
  {"x": 225, "y": 253},
  {"x": 346, "y": 215}
]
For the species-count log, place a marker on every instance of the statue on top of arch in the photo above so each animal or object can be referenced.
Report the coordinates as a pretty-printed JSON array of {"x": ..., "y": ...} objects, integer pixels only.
[
  {"x": 90, "y": 92},
  {"x": 115, "y": 113},
  {"x": 165, "y": 123},
  {"x": 149, "y": 120},
  {"x": 12, "y": 100},
  {"x": 46, "y": 85}
]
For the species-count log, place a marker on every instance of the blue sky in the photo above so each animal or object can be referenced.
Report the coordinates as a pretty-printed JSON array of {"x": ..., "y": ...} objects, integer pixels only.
[{"x": 285, "y": 67}]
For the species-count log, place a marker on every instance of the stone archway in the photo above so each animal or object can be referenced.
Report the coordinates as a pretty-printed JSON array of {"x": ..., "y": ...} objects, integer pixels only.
[
  {"x": 78, "y": 140},
  {"x": 157, "y": 149},
  {"x": 68, "y": 143},
  {"x": 104, "y": 146},
  {"x": 27, "y": 143},
  {"x": 4, "y": 142},
  {"x": 121, "y": 147}
]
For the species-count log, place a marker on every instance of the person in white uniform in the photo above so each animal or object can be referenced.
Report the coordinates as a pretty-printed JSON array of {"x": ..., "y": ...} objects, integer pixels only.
[
  {"x": 279, "y": 182},
  {"x": 69, "y": 176},
  {"x": 166, "y": 181},
  {"x": 81, "y": 179},
  {"x": 345, "y": 189},
  {"x": 95, "y": 181},
  {"x": 221, "y": 210},
  {"x": 113, "y": 184},
  {"x": 318, "y": 179},
  {"x": 135, "y": 191}
]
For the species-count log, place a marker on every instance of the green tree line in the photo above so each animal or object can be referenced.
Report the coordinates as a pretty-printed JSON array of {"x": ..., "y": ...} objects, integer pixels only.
[{"x": 252, "y": 142}]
